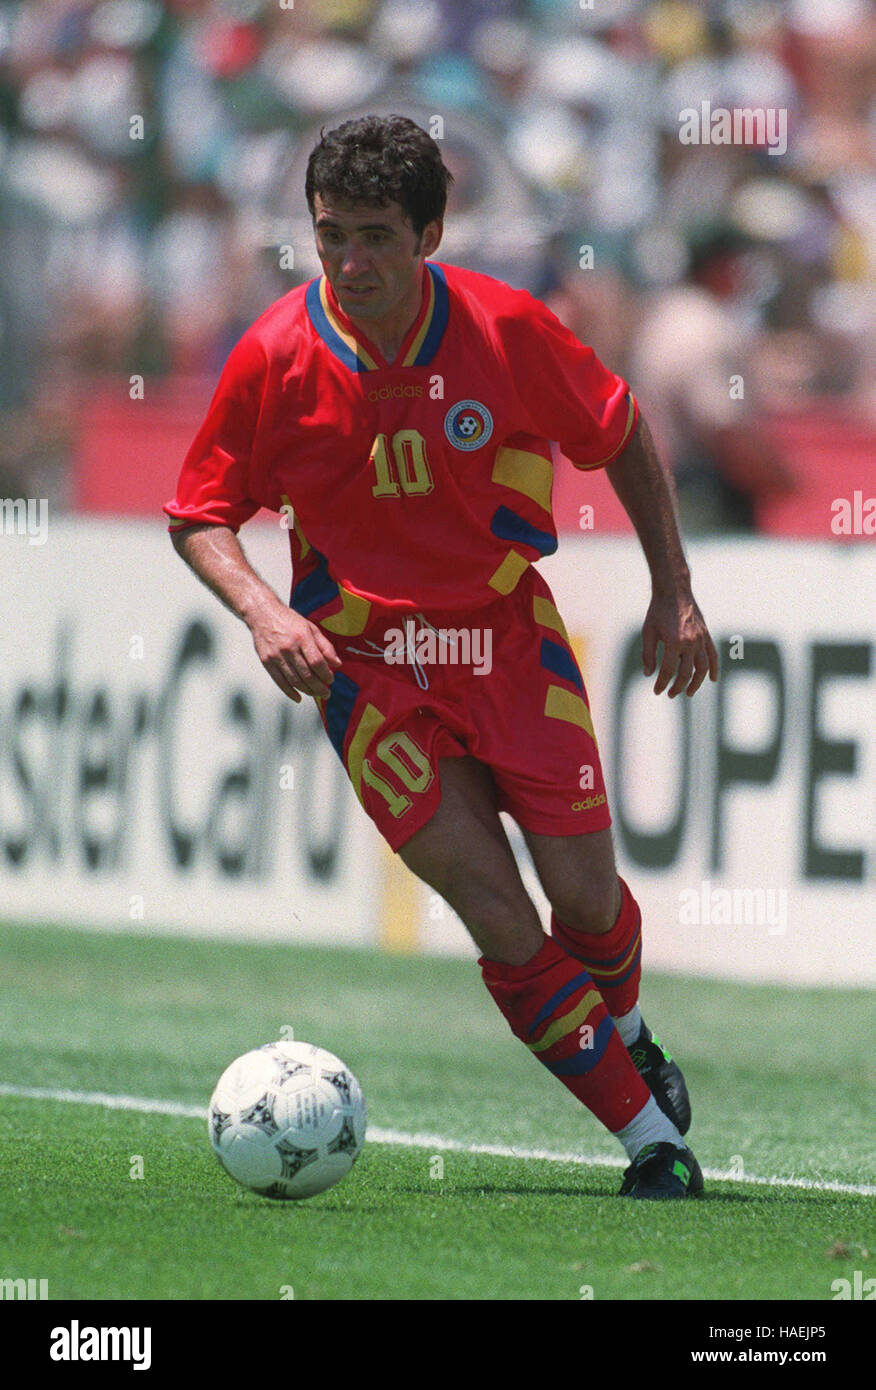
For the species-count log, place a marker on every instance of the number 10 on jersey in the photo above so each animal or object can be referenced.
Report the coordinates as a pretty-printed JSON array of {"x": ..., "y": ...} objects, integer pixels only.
[{"x": 402, "y": 458}]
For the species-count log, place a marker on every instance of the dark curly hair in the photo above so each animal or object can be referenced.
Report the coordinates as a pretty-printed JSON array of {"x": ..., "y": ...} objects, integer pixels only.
[{"x": 380, "y": 160}]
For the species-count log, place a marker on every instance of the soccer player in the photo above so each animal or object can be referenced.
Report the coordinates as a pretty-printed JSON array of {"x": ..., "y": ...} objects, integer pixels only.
[{"x": 401, "y": 412}]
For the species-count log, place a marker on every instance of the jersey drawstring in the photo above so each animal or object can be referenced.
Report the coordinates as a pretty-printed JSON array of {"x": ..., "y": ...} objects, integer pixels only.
[
  {"x": 377, "y": 649},
  {"x": 421, "y": 678},
  {"x": 410, "y": 649}
]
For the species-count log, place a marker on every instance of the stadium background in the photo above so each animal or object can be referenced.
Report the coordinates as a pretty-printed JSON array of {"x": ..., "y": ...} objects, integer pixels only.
[{"x": 151, "y": 170}]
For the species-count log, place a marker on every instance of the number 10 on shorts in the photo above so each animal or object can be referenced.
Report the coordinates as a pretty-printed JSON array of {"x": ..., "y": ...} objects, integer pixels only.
[{"x": 406, "y": 759}]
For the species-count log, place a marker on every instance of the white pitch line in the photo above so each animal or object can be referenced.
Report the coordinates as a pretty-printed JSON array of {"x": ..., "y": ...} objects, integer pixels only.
[
  {"x": 144, "y": 1105},
  {"x": 108, "y": 1102}
]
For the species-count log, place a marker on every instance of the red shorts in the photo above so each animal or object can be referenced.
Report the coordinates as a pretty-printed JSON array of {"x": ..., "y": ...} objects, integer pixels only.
[{"x": 500, "y": 684}]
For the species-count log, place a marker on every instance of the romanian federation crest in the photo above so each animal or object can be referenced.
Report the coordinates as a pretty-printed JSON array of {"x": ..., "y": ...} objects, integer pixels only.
[{"x": 468, "y": 425}]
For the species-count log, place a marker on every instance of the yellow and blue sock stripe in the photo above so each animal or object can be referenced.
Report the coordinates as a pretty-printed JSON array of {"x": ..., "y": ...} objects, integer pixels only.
[{"x": 563, "y": 1016}]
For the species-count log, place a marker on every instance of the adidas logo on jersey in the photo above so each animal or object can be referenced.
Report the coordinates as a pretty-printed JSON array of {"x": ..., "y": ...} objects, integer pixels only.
[{"x": 388, "y": 393}]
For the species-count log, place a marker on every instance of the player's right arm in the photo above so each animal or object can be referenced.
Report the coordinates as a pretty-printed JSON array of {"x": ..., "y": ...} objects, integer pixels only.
[
  {"x": 295, "y": 653},
  {"x": 221, "y": 485}
]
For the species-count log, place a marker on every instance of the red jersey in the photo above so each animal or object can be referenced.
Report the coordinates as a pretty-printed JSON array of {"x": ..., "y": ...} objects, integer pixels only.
[{"x": 422, "y": 483}]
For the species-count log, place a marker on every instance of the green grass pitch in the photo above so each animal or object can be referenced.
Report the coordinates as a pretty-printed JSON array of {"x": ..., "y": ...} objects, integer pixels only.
[{"x": 778, "y": 1079}]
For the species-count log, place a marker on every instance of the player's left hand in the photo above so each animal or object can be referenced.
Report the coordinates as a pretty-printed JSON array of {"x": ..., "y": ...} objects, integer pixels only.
[{"x": 689, "y": 653}]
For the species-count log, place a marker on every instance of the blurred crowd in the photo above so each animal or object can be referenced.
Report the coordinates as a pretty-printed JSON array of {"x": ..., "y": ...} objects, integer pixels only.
[{"x": 151, "y": 196}]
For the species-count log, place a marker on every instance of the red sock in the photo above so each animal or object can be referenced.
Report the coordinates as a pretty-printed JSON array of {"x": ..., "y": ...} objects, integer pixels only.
[
  {"x": 613, "y": 959},
  {"x": 547, "y": 1002}
]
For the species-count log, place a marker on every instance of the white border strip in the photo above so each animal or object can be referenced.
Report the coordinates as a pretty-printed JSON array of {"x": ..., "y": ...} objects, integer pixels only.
[{"x": 145, "y": 1106}]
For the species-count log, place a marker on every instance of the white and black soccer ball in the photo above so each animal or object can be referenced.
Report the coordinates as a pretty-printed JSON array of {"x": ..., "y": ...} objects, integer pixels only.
[
  {"x": 468, "y": 425},
  {"x": 287, "y": 1120}
]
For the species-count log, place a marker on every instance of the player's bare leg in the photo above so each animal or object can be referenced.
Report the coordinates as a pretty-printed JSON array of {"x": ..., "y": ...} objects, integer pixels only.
[
  {"x": 579, "y": 876},
  {"x": 596, "y": 919},
  {"x": 463, "y": 853},
  {"x": 549, "y": 1001}
]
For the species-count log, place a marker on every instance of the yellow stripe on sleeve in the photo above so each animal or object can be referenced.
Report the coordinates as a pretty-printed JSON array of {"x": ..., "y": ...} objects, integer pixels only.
[{"x": 631, "y": 415}]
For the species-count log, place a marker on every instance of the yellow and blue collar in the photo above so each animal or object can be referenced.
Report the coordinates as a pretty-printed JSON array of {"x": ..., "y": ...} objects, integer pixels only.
[{"x": 342, "y": 337}]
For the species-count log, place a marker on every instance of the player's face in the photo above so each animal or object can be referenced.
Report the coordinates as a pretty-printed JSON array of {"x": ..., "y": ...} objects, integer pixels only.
[{"x": 372, "y": 257}]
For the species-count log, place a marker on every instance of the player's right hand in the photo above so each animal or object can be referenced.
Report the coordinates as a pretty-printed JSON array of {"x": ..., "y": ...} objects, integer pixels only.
[{"x": 296, "y": 654}]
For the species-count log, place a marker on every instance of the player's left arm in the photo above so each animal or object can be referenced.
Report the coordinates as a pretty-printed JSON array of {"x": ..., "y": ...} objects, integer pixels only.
[{"x": 647, "y": 494}]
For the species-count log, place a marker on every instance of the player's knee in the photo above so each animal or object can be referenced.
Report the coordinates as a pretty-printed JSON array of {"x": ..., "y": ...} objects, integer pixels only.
[{"x": 592, "y": 909}]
